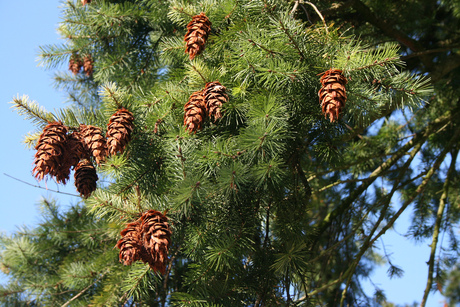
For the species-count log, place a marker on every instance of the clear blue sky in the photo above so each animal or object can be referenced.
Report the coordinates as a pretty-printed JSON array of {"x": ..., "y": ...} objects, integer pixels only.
[{"x": 25, "y": 25}]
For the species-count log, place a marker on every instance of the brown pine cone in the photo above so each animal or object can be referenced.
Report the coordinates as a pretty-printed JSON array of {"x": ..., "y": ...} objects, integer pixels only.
[
  {"x": 85, "y": 178},
  {"x": 130, "y": 244},
  {"x": 73, "y": 153},
  {"x": 156, "y": 239},
  {"x": 119, "y": 131},
  {"x": 84, "y": 2},
  {"x": 88, "y": 65},
  {"x": 214, "y": 95},
  {"x": 332, "y": 94},
  {"x": 195, "y": 112},
  {"x": 197, "y": 33},
  {"x": 94, "y": 142},
  {"x": 50, "y": 150},
  {"x": 75, "y": 64}
]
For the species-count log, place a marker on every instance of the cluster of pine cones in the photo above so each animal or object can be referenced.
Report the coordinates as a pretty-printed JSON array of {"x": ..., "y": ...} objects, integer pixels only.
[
  {"x": 146, "y": 239},
  {"x": 58, "y": 150},
  {"x": 208, "y": 101},
  {"x": 205, "y": 103},
  {"x": 76, "y": 63}
]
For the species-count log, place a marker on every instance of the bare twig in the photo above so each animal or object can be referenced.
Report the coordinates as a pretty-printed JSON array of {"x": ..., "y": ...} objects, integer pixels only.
[
  {"x": 37, "y": 186},
  {"x": 319, "y": 14}
]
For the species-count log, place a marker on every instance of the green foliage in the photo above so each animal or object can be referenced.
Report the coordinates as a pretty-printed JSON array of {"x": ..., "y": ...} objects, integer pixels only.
[{"x": 272, "y": 204}]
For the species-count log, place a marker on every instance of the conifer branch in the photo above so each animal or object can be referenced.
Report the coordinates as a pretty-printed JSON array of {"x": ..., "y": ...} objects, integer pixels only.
[
  {"x": 84, "y": 290},
  {"x": 110, "y": 89},
  {"x": 418, "y": 139},
  {"x": 422, "y": 186},
  {"x": 371, "y": 240},
  {"x": 181, "y": 10},
  {"x": 32, "y": 111},
  {"x": 199, "y": 73},
  {"x": 345, "y": 238},
  {"x": 383, "y": 212},
  {"x": 437, "y": 226},
  {"x": 92, "y": 36},
  {"x": 109, "y": 204},
  {"x": 388, "y": 29},
  {"x": 139, "y": 278},
  {"x": 285, "y": 30},
  {"x": 272, "y": 52},
  {"x": 291, "y": 39},
  {"x": 376, "y": 63}
]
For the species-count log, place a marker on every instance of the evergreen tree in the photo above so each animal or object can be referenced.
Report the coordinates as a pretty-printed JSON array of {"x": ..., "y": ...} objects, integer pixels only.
[{"x": 274, "y": 140}]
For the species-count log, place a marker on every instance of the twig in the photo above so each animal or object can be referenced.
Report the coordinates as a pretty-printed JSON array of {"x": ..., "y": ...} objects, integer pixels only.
[
  {"x": 319, "y": 14},
  {"x": 194, "y": 68},
  {"x": 83, "y": 291},
  {"x": 296, "y": 4},
  {"x": 37, "y": 186}
]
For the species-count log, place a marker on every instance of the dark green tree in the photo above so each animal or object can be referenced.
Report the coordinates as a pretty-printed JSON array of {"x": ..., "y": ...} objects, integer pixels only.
[{"x": 281, "y": 200}]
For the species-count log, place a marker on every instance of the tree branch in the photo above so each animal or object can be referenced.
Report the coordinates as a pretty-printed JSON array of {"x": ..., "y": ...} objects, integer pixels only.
[
  {"x": 347, "y": 202},
  {"x": 437, "y": 226}
]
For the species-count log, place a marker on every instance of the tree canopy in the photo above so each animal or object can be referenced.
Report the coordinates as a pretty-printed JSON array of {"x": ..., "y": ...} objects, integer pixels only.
[{"x": 279, "y": 140}]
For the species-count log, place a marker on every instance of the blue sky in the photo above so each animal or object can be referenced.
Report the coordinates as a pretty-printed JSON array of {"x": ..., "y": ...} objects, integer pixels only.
[{"x": 25, "y": 25}]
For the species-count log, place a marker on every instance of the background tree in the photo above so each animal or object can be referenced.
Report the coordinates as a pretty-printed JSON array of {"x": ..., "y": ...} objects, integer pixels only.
[{"x": 272, "y": 203}]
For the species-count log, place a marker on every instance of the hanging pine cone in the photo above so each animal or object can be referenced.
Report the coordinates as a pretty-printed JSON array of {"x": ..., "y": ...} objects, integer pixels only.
[
  {"x": 156, "y": 239},
  {"x": 73, "y": 153},
  {"x": 84, "y": 2},
  {"x": 50, "y": 149},
  {"x": 332, "y": 94},
  {"x": 119, "y": 131},
  {"x": 94, "y": 142},
  {"x": 197, "y": 33},
  {"x": 88, "y": 65},
  {"x": 215, "y": 95},
  {"x": 85, "y": 178},
  {"x": 130, "y": 244},
  {"x": 195, "y": 112},
  {"x": 75, "y": 64}
]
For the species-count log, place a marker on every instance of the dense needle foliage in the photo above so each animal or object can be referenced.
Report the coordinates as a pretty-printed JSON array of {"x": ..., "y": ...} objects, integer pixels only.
[{"x": 271, "y": 204}]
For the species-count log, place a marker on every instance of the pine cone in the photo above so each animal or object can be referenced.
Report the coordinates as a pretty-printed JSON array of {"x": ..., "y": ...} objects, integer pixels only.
[
  {"x": 85, "y": 2},
  {"x": 88, "y": 65},
  {"x": 119, "y": 131},
  {"x": 85, "y": 178},
  {"x": 130, "y": 244},
  {"x": 156, "y": 239},
  {"x": 75, "y": 64},
  {"x": 50, "y": 150},
  {"x": 214, "y": 95},
  {"x": 94, "y": 142},
  {"x": 195, "y": 112},
  {"x": 73, "y": 153},
  {"x": 332, "y": 94},
  {"x": 197, "y": 33}
]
